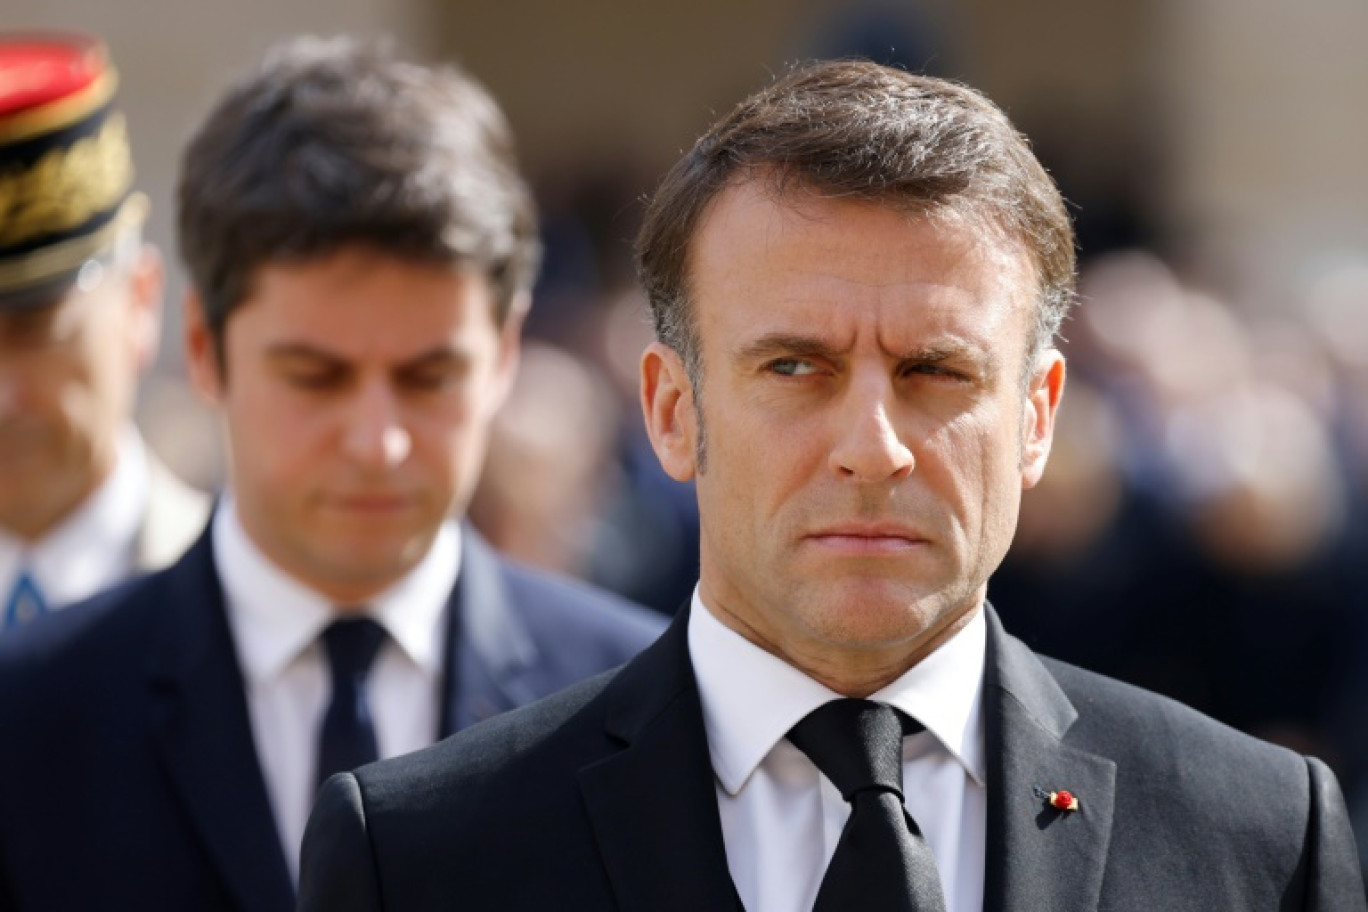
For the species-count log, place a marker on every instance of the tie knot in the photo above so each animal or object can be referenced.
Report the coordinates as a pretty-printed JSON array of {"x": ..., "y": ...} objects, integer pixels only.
[
  {"x": 352, "y": 644},
  {"x": 857, "y": 744}
]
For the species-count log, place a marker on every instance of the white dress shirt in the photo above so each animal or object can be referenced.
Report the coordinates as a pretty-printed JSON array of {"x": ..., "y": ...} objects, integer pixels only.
[
  {"x": 276, "y": 622},
  {"x": 93, "y": 548},
  {"x": 781, "y": 819}
]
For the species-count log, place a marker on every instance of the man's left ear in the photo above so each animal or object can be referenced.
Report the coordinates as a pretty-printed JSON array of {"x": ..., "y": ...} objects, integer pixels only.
[
  {"x": 145, "y": 287},
  {"x": 1038, "y": 419}
]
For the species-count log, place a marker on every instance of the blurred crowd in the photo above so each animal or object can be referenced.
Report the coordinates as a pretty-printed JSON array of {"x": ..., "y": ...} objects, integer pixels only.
[{"x": 1199, "y": 530}]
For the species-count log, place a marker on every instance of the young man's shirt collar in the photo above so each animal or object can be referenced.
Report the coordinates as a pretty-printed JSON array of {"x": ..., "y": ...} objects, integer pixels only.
[{"x": 275, "y": 616}]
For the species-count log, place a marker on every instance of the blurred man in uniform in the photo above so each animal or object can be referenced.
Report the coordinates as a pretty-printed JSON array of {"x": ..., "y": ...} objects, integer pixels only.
[
  {"x": 83, "y": 502},
  {"x": 361, "y": 248}
]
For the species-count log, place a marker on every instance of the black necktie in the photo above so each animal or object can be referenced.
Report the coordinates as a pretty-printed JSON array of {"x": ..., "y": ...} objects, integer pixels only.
[
  {"x": 348, "y": 736},
  {"x": 882, "y": 861}
]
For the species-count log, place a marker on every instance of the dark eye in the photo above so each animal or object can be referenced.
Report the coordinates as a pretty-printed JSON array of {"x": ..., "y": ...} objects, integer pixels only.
[
  {"x": 428, "y": 378},
  {"x": 792, "y": 367},
  {"x": 314, "y": 379},
  {"x": 930, "y": 369}
]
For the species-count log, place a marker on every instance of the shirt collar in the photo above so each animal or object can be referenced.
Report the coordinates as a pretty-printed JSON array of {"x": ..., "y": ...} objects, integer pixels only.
[
  {"x": 752, "y": 698},
  {"x": 93, "y": 547},
  {"x": 275, "y": 617}
]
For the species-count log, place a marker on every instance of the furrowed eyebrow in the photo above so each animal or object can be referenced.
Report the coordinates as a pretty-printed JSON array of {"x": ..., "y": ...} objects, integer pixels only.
[
  {"x": 775, "y": 345},
  {"x": 981, "y": 363},
  {"x": 792, "y": 345},
  {"x": 929, "y": 355}
]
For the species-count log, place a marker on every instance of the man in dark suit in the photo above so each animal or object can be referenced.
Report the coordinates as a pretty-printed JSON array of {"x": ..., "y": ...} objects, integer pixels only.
[
  {"x": 856, "y": 278},
  {"x": 361, "y": 248}
]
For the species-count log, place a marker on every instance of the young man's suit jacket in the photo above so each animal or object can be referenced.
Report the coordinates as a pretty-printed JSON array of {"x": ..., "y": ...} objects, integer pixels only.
[
  {"x": 128, "y": 773},
  {"x": 602, "y": 798}
]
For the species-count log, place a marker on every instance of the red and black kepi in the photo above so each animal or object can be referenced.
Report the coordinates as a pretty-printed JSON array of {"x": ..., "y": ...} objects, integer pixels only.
[{"x": 66, "y": 171}]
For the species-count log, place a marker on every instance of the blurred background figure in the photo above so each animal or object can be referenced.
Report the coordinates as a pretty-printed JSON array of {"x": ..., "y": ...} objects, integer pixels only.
[
  {"x": 83, "y": 502},
  {"x": 1197, "y": 503},
  {"x": 549, "y": 447}
]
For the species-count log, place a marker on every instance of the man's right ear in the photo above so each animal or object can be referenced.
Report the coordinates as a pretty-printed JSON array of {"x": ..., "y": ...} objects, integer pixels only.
[
  {"x": 201, "y": 354},
  {"x": 668, "y": 406}
]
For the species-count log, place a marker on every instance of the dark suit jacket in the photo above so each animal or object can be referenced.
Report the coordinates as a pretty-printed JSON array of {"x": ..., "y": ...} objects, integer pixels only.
[
  {"x": 128, "y": 774},
  {"x": 602, "y": 797}
]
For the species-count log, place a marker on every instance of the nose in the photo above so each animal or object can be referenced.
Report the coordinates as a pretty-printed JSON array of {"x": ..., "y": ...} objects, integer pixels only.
[
  {"x": 868, "y": 448},
  {"x": 375, "y": 437}
]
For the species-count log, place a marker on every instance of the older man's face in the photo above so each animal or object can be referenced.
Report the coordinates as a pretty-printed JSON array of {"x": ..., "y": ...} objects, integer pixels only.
[
  {"x": 868, "y": 434},
  {"x": 68, "y": 374}
]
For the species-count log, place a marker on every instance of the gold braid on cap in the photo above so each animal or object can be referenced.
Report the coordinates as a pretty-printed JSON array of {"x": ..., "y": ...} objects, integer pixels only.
[
  {"x": 66, "y": 187},
  {"x": 55, "y": 259}
]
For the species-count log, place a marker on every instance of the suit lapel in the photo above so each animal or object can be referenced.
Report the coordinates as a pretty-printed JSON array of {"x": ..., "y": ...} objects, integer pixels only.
[
  {"x": 489, "y": 653},
  {"x": 653, "y": 805},
  {"x": 202, "y": 733},
  {"x": 1039, "y": 858}
]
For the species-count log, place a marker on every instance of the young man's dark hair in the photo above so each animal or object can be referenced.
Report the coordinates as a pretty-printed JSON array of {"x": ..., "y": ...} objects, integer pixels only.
[{"x": 336, "y": 142}]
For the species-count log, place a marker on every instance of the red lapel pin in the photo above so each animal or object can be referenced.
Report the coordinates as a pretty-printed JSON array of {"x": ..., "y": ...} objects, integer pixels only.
[{"x": 1062, "y": 800}]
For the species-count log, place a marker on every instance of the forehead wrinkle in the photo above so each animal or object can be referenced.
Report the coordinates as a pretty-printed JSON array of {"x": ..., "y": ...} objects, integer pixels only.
[
  {"x": 819, "y": 297},
  {"x": 827, "y": 291}
]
